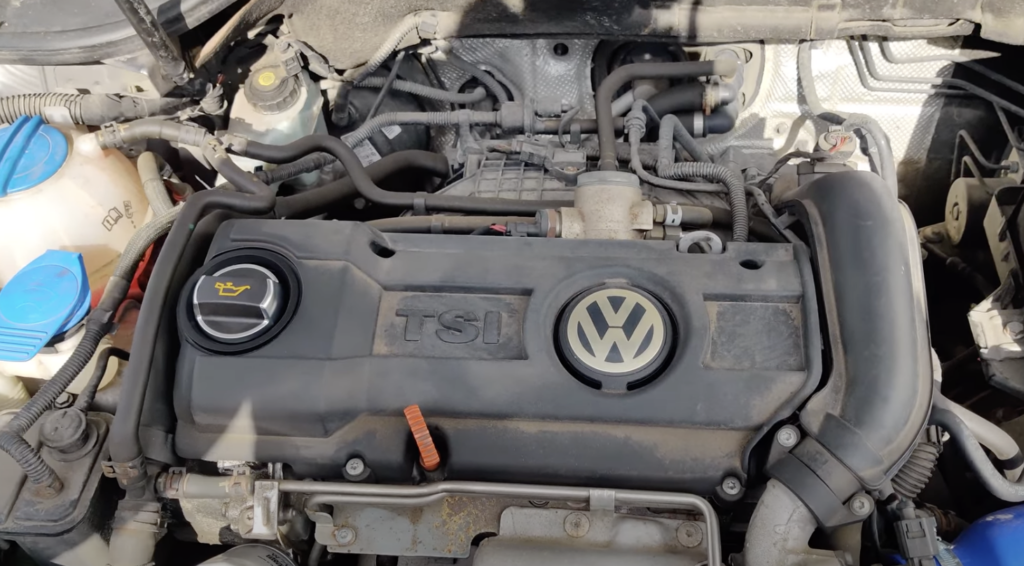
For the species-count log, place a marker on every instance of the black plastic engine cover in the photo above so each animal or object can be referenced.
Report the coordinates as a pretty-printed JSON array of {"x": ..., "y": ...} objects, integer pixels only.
[{"x": 389, "y": 321}]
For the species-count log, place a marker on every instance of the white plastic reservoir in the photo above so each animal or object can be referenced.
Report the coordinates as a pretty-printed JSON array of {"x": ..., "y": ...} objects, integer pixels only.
[
  {"x": 60, "y": 191},
  {"x": 67, "y": 211}
]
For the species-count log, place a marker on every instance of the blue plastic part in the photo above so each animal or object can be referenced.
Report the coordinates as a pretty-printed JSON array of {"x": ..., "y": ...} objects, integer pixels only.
[
  {"x": 996, "y": 539},
  {"x": 30, "y": 153},
  {"x": 47, "y": 297}
]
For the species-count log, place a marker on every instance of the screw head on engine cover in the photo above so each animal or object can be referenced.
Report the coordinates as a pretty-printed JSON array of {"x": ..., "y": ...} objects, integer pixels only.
[
  {"x": 787, "y": 436},
  {"x": 731, "y": 486},
  {"x": 861, "y": 505},
  {"x": 615, "y": 337},
  {"x": 355, "y": 466}
]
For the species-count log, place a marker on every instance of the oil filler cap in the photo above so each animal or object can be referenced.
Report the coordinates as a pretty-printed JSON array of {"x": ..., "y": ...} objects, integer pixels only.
[{"x": 237, "y": 303}]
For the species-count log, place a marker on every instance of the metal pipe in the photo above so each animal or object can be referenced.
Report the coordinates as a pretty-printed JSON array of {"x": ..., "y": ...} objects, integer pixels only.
[{"x": 331, "y": 493}]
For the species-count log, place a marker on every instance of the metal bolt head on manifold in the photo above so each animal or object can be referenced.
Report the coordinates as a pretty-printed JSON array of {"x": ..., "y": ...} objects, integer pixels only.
[
  {"x": 731, "y": 486},
  {"x": 861, "y": 505},
  {"x": 355, "y": 466},
  {"x": 690, "y": 534},
  {"x": 787, "y": 436},
  {"x": 577, "y": 525},
  {"x": 345, "y": 536}
]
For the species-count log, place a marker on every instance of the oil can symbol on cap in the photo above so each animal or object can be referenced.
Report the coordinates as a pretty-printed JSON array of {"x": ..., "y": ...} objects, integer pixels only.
[{"x": 228, "y": 289}]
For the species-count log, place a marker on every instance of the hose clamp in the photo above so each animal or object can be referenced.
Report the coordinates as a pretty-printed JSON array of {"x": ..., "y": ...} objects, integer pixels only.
[
  {"x": 109, "y": 136},
  {"x": 673, "y": 215},
  {"x": 127, "y": 474},
  {"x": 635, "y": 120},
  {"x": 698, "y": 125}
]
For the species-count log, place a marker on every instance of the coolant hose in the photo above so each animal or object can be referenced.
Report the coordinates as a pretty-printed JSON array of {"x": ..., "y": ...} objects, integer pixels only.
[
  {"x": 627, "y": 73},
  {"x": 672, "y": 130},
  {"x": 479, "y": 74},
  {"x": 990, "y": 477},
  {"x": 720, "y": 174},
  {"x": 321, "y": 199},
  {"x": 153, "y": 183},
  {"x": 378, "y": 123},
  {"x": 423, "y": 91},
  {"x": 254, "y": 198},
  {"x": 687, "y": 97},
  {"x": 989, "y": 435},
  {"x": 88, "y": 109},
  {"x": 371, "y": 192}
]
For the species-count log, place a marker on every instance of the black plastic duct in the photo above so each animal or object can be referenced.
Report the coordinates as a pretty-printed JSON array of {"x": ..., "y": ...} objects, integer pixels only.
[{"x": 863, "y": 424}]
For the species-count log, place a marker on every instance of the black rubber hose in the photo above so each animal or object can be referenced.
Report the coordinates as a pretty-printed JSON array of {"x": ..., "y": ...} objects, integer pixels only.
[
  {"x": 993, "y": 480},
  {"x": 479, "y": 74},
  {"x": 88, "y": 394},
  {"x": 444, "y": 224},
  {"x": 719, "y": 174},
  {"x": 322, "y": 199},
  {"x": 761, "y": 228},
  {"x": 627, "y": 73},
  {"x": 371, "y": 192},
  {"x": 255, "y": 199},
  {"x": 683, "y": 98},
  {"x": 156, "y": 40}
]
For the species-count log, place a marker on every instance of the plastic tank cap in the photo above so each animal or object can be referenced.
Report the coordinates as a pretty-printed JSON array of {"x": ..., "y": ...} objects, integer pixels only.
[
  {"x": 30, "y": 153},
  {"x": 47, "y": 297}
]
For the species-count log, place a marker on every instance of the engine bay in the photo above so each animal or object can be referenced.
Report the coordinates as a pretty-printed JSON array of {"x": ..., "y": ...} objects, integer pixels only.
[{"x": 291, "y": 283}]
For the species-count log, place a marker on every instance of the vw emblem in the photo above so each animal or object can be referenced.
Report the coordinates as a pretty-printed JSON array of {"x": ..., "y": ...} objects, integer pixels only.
[{"x": 617, "y": 332}]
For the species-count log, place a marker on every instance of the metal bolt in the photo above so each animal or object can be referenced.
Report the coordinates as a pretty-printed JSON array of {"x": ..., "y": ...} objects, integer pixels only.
[
  {"x": 787, "y": 436},
  {"x": 954, "y": 211},
  {"x": 64, "y": 400},
  {"x": 345, "y": 536},
  {"x": 861, "y": 505},
  {"x": 577, "y": 525},
  {"x": 731, "y": 486},
  {"x": 782, "y": 128},
  {"x": 1015, "y": 330},
  {"x": 355, "y": 466},
  {"x": 690, "y": 534}
]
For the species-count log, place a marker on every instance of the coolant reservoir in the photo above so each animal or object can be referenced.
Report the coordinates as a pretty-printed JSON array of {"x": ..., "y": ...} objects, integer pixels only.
[{"x": 60, "y": 191}]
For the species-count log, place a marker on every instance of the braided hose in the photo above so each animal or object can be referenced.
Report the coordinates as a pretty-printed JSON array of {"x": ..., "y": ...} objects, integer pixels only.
[
  {"x": 718, "y": 173},
  {"x": 13, "y": 107}
]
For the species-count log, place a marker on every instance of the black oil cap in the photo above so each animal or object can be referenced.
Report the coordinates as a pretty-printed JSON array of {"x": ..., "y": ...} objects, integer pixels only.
[{"x": 238, "y": 303}]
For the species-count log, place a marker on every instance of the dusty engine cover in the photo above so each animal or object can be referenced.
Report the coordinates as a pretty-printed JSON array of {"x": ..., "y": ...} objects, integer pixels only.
[{"x": 609, "y": 363}]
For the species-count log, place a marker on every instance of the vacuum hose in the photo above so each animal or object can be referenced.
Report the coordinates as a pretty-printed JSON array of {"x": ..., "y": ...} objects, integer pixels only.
[{"x": 627, "y": 73}]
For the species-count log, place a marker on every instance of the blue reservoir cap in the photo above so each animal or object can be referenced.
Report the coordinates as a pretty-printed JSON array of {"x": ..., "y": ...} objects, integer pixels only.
[
  {"x": 30, "y": 153},
  {"x": 47, "y": 297}
]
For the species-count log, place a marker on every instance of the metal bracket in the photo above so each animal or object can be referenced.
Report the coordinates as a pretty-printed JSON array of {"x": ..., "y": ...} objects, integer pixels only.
[{"x": 266, "y": 504}]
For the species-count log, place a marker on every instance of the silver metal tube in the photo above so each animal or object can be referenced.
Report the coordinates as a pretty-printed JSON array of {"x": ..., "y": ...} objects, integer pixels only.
[{"x": 330, "y": 493}]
